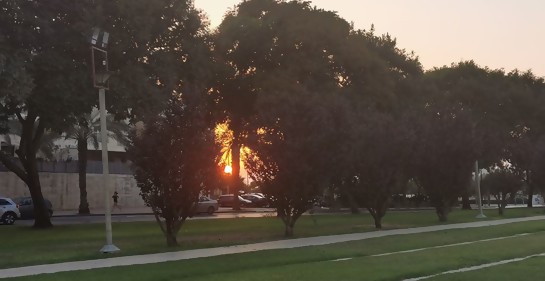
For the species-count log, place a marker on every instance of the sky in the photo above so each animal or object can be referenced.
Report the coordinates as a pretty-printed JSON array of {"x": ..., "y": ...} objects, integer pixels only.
[{"x": 504, "y": 34}]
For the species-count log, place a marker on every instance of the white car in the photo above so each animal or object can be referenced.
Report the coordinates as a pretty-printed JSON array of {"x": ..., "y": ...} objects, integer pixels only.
[
  {"x": 9, "y": 211},
  {"x": 206, "y": 205}
]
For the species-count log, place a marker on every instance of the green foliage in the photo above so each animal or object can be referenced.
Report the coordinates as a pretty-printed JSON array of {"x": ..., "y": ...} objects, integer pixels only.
[
  {"x": 445, "y": 155},
  {"x": 293, "y": 154},
  {"x": 44, "y": 59},
  {"x": 503, "y": 183},
  {"x": 174, "y": 160},
  {"x": 378, "y": 164}
]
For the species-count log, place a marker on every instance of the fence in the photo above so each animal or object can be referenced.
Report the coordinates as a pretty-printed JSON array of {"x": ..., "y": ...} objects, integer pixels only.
[{"x": 93, "y": 167}]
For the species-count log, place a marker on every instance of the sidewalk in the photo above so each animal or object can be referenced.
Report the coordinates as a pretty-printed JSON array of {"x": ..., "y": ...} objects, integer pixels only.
[
  {"x": 146, "y": 211},
  {"x": 201, "y": 253}
]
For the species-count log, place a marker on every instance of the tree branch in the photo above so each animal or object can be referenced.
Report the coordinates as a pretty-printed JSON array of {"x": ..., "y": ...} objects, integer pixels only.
[
  {"x": 10, "y": 163},
  {"x": 37, "y": 137}
]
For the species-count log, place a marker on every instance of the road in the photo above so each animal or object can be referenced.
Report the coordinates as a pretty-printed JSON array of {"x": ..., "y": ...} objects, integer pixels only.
[{"x": 224, "y": 213}]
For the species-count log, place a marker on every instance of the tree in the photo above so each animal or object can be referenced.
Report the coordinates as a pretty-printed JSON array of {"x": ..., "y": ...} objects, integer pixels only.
[
  {"x": 444, "y": 156},
  {"x": 87, "y": 132},
  {"x": 538, "y": 164},
  {"x": 48, "y": 87},
  {"x": 381, "y": 81},
  {"x": 528, "y": 101},
  {"x": 264, "y": 36},
  {"x": 293, "y": 154},
  {"x": 175, "y": 159},
  {"x": 45, "y": 82},
  {"x": 503, "y": 183},
  {"x": 378, "y": 166},
  {"x": 484, "y": 95}
]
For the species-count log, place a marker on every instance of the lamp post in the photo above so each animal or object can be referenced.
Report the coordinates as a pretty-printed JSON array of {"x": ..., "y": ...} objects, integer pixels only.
[
  {"x": 478, "y": 191},
  {"x": 100, "y": 81}
]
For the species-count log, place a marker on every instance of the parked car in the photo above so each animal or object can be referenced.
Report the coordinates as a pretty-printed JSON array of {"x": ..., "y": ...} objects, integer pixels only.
[
  {"x": 27, "y": 207},
  {"x": 206, "y": 205},
  {"x": 257, "y": 201},
  {"x": 227, "y": 200},
  {"x": 9, "y": 212}
]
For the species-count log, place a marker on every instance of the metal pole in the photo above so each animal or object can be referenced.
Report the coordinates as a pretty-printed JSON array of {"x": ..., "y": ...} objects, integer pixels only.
[
  {"x": 478, "y": 187},
  {"x": 109, "y": 247}
]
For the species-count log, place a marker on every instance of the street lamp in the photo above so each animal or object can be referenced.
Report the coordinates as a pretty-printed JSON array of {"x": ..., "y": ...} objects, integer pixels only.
[
  {"x": 100, "y": 81},
  {"x": 479, "y": 202}
]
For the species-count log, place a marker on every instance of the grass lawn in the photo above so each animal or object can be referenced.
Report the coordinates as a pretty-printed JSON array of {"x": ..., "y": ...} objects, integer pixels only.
[
  {"x": 318, "y": 262},
  {"x": 28, "y": 246},
  {"x": 531, "y": 269}
]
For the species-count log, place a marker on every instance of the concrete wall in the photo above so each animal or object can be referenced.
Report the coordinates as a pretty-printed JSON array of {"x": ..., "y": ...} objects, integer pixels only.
[{"x": 62, "y": 189}]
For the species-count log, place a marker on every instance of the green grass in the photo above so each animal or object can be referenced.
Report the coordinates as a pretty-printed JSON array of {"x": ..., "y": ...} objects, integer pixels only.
[
  {"x": 28, "y": 246},
  {"x": 531, "y": 269},
  {"x": 316, "y": 263}
]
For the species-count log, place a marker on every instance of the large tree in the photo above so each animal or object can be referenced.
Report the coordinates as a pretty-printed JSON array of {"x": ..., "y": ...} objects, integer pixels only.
[
  {"x": 445, "y": 155},
  {"x": 47, "y": 81},
  {"x": 378, "y": 165},
  {"x": 46, "y": 84},
  {"x": 483, "y": 94},
  {"x": 503, "y": 183},
  {"x": 294, "y": 152},
  {"x": 263, "y": 36},
  {"x": 175, "y": 159},
  {"x": 527, "y": 111}
]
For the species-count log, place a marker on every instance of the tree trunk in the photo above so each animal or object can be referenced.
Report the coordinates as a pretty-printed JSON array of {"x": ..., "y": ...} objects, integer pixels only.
[
  {"x": 41, "y": 213},
  {"x": 465, "y": 201},
  {"x": 170, "y": 233},
  {"x": 377, "y": 217},
  {"x": 530, "y": 202},
  {"x": 28, "y": 146},
  {"x": 442, "y": 213},
  {"x": 27, "y": 155},
  {"x": 288, "y": 232},
  {"x": 235, "y": 165},
  {"x": 354, "y": 208},
  {"x": 82, "y": 171},
  {"x": 172, "y": 240}
]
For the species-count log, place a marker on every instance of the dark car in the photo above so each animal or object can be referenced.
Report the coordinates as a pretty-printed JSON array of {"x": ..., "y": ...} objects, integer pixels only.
[
  {"x": 27, "y": 207},
  {"x": 227, "y": 200},
  {"x": 257, "y": 201}
]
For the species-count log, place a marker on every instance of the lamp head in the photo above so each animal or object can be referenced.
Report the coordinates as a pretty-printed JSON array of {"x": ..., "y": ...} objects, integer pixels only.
[
  {"x": 101, "y": 79},
  {"x": 100, "y": 38}
]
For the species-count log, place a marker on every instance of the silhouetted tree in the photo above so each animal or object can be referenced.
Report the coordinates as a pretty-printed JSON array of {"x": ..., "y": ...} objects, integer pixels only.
[
  {"x": 85, "y": 132},
  {"x": 378, "y": 166},
  {"x": 263, "y": 36},
  {"x": 445, "y": 155},
  {"x": 503, "y": 183},
  {"x": 174, "y": 159},
  {"x": 294, "y": 152}
]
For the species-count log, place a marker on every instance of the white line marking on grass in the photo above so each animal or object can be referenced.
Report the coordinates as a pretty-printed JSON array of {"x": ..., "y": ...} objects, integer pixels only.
[
  {"x": 450, "y": 245},
  {"x": 476, "y": 267},
  {"x": 343, "y": 259}
]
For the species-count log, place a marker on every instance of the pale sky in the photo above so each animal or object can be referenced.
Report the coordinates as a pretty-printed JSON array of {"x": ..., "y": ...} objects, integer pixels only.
[{"x": 504, "y": 34}]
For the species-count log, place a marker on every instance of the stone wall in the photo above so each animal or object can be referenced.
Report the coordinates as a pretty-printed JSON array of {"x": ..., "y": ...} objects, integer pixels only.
[{"x": 62, "y": 189}]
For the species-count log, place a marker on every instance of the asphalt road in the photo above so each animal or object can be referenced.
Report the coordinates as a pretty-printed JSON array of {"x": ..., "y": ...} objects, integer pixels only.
[{"x": 223, "y": 214}]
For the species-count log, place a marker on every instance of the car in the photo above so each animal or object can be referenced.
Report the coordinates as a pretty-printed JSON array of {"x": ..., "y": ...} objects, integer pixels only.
[
  {"x": 227, "y": 200},
  {"x": 9, "y": 211},
  {"x": 257, "y": 201},
  {"x": 206, "y": 205},
  {"x": 27, "y": 207}
]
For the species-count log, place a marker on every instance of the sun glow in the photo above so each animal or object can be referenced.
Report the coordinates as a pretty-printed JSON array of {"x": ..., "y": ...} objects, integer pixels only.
[
  {"x": 224, "y": 137},
  {"x": 228, "y": 169}
]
